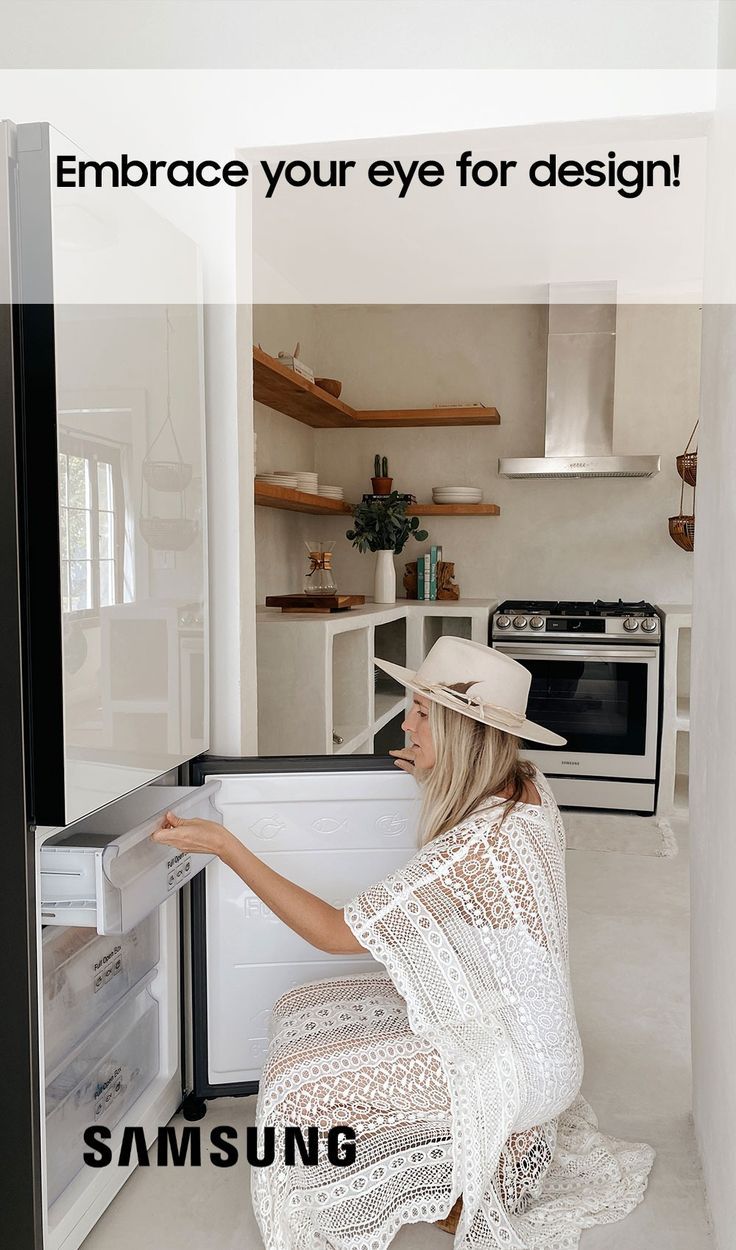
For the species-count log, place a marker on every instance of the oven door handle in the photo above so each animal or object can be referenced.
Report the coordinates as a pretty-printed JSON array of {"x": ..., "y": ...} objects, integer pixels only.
[{"x": 541, "y": 650}]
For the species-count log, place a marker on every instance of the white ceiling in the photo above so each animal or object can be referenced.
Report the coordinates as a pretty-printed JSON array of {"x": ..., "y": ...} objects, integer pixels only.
[{"x": 512, "y": 34}]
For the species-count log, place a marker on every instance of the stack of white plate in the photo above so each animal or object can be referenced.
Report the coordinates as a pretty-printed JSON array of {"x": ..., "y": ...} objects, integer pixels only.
[
  {"x": 457, "y": 494},
  {"x": 306, "y": 480},
  {"x": 278, "y": 479},
  {"x": 331, "y": 492}
]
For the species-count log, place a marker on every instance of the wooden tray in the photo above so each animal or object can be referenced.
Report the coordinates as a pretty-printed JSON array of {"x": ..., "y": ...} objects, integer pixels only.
[{"x": 314, "y": 603}]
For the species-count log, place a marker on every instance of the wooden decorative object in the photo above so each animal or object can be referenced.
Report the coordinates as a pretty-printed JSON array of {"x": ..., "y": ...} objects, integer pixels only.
[
  {"x": 446, "y": 589},
  {"x": 330, "y": 385},
  {"x": 314, "y": 603}
]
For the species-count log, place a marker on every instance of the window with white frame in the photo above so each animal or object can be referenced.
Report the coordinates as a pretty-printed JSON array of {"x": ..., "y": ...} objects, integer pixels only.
[{"x": 91, "y": 524}]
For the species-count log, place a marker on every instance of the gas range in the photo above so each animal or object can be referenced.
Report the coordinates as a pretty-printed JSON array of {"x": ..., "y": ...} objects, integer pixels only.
[
  {"x": 595, "y": 679},
  {"x": 545, "y": 620}
]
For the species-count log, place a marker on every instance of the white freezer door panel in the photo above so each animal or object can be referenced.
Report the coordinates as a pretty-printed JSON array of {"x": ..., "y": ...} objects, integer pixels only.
[
  {"x": 104, "y": 872},
  {"x": 247, "y": 932},
  {"x": 240, "y": 1055},
  {"x": 334, "y": 834},
  {"x": 320, "y": 811}
]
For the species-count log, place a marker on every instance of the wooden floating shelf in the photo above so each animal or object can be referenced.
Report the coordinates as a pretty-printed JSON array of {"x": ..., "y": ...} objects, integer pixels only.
[
  {"x": 280, "y": 388},
  {"x": 271, "y": 496},
  {"x": 454, "y": 509}
]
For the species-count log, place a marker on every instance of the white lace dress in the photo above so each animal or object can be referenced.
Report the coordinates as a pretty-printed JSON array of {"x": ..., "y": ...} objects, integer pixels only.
[{"x": 459, "y": 1068}]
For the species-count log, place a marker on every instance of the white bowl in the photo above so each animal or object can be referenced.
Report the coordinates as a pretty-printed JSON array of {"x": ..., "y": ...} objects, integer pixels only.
[
  {"x": 457, "y": 491},
  {"x": 440, "y": 498}
]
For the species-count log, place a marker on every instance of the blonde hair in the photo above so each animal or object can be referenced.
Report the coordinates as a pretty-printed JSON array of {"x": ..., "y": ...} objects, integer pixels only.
[{"x": 473, "y": 762}]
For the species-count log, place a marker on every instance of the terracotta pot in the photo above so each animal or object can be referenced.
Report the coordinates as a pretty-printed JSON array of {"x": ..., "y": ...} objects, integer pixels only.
[{"x": 382, "y": 485}]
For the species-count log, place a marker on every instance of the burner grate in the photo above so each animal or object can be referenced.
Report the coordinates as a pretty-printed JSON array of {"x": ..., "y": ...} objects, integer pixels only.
[{"x": 576, "y": 608}]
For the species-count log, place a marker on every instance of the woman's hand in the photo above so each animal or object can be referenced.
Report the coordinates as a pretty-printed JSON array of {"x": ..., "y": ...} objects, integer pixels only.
[
  {"x": 192, "y": 834},
  {"x": 404, "y": 758}
]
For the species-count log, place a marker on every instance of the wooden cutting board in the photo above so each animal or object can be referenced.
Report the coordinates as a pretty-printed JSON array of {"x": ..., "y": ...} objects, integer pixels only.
[{"x": 314, "y": 603}]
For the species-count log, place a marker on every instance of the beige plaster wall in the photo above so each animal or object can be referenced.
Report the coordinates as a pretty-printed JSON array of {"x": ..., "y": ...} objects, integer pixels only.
[
  {"x": 282, "y": 443},
  {"x": 572, "y": 539}
]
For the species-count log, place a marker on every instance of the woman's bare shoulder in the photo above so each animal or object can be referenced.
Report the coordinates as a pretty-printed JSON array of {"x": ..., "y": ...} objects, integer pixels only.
[{"x": 531, "y": 795}]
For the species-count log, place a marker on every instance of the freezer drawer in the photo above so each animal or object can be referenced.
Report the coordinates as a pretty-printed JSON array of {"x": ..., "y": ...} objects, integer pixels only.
[
  {"x": 85, "y": 975},
  {"x": 104, "y": 872},
  {"x": 98, "y": 1083}
]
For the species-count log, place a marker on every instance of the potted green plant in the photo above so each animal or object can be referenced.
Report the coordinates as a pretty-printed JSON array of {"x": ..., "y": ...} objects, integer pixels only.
[
  {"x": 381, "y": 482},
  {"x": 381, "y": 525}
]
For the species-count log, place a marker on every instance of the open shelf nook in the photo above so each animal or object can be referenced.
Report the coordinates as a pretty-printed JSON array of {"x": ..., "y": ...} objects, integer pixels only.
[
  {"x": 675, "y": 746},
  {"x": 331, "y": 658}
]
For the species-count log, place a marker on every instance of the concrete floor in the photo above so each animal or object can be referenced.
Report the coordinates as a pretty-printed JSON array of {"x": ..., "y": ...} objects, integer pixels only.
[{"x": 629, "y": 950}]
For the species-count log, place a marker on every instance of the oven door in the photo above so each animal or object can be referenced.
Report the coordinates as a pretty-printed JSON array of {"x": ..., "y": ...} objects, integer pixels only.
[{"x": 603, "y": 700}]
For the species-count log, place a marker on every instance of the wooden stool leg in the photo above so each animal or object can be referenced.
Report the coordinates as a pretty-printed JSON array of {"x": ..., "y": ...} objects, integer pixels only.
[{"x": 452, "y": 1219}]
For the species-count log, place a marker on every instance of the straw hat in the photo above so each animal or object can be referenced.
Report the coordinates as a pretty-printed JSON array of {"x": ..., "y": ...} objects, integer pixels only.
[{"x": 497, "y": 694}]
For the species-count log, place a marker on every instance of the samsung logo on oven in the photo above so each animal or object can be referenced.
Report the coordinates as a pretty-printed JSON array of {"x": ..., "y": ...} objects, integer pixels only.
[
  {"x": 183, "y": 1147},
  {"x": 575, "y": 763}
]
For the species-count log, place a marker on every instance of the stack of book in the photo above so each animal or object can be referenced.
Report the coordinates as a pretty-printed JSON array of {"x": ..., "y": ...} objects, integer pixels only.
[
  {"x": 427, "y": 573},
  {"x": 402, "y": 498}
]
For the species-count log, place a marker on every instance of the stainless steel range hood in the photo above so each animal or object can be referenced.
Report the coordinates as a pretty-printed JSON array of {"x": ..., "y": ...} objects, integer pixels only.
[{"x": 578, "y": 441}]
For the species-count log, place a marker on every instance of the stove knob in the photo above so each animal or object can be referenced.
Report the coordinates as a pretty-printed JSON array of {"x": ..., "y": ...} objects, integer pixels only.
[
  {"x": 649, "y": 624},
  {"x": 503, "y": 622},
  {"x": 630, "y": 624},
  {"x": 520, "y": 622},
  {"x": 537, "y": 622}
]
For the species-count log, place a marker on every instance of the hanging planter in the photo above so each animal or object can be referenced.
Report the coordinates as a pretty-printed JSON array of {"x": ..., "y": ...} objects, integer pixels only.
[
  {"x": 167, "y": 475},
  {"x": 687, "y": 463},
  {"x": 164, "y": 533},
  {"x": 167, "y": 533},
  {"x": 682, "y": 526}
]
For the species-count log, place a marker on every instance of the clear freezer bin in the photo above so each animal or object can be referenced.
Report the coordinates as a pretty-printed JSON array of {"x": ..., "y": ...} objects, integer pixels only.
[
  {"x": 99, "y": 1083},
  {"x": 86, "y": 975},
  {"x": 105, "y": 873}
]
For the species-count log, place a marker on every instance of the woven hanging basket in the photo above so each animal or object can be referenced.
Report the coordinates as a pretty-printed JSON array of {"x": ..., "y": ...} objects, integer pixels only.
[
  {"x": 682, "y": 531},
  {"x": 682, "y": 527},
  {"x": 687, "y": 467}
]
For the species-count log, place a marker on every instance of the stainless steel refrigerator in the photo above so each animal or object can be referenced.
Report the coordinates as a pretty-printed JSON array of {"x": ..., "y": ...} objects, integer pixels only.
[{"x": 137, "y": 979}]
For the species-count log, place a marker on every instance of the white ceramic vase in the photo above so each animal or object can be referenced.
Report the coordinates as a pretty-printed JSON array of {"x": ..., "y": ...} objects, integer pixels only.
[{"x": 384, "y": 590}]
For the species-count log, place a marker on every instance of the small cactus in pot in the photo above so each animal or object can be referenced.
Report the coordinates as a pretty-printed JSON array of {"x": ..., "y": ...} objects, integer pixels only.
[{"x": 381, "y": 482}]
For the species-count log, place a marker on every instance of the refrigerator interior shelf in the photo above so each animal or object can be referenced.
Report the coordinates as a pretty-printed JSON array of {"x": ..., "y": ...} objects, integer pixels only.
[{"x": 105, "y": 872}]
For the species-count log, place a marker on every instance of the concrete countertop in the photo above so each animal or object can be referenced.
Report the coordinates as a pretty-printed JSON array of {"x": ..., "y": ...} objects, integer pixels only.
[{"x": 376, "y": 612}]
